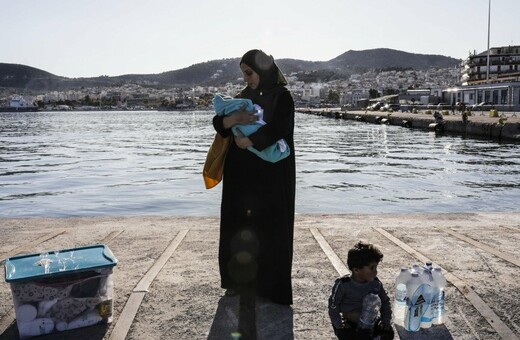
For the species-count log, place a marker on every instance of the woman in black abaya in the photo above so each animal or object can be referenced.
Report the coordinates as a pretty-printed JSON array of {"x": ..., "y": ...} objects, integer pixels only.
[{"x": 257, "y": 210}]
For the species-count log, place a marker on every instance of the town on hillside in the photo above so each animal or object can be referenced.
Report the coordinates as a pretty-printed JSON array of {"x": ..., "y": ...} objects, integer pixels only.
[{"x": 472, "y": 84}]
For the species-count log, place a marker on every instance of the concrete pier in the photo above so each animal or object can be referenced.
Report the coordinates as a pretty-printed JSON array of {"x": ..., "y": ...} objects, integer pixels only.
[
  {"x": 167, "y": 280},
  {"x": 479, "y": 124}
]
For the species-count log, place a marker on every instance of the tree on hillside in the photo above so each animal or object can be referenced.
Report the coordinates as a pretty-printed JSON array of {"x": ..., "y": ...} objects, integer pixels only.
[
  {"x": 333, "y": 97},
  {"x": 87, "y": 100},
  {"x": 205, "y": 100},
  {"x": 373, "y": 93},
  {"x": 389, "y": 91}
]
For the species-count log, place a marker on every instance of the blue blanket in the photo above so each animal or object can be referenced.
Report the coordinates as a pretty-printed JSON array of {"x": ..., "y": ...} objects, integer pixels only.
[{"x": 225, "y": 105}]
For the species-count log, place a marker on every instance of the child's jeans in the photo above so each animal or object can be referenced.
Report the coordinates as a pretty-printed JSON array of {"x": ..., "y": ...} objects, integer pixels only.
[{"x": 351, "y": 333}]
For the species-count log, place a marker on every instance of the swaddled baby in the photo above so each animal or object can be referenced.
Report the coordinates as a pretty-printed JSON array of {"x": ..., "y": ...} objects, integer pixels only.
[{"x": 225, "y": 105}]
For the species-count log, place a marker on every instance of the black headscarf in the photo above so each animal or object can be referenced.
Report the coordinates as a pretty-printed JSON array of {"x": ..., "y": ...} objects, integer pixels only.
[{"x": 266, "y": 68}]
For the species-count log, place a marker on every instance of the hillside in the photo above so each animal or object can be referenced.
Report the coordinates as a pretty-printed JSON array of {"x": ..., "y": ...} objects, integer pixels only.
[
  {"x": 21, "y": 76},
  {"x": 383, "y": 58},
  {"x": 29, "y": 78},
  {"x": 217, "y": 72}
]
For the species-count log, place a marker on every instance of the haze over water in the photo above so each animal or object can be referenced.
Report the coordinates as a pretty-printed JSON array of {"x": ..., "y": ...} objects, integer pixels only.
[{"x": 150, "y": 163}]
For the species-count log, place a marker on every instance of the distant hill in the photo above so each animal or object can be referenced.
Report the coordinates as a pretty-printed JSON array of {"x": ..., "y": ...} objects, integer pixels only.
[
  {"x": 30, "y": 78},
  {"x": 21, "y": 76},
  {"x": 217, "y": 72},
  {"x": 383, "y": 58},
  {"x": 208, "y": 73}
]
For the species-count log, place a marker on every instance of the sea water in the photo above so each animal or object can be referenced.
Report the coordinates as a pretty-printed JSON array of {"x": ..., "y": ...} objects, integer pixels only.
[{"x": 60, "y": 164}]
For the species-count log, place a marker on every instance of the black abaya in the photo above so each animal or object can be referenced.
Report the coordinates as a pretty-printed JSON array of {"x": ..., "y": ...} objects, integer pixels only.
[{"x": 257, "y": 210}]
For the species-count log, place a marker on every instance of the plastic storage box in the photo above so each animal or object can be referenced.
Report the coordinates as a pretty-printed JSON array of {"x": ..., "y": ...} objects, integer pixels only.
[{"x": 61, "y": 290}]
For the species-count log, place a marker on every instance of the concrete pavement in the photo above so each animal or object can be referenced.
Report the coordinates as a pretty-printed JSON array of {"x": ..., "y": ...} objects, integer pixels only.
[{"x": 167, "y": 282}]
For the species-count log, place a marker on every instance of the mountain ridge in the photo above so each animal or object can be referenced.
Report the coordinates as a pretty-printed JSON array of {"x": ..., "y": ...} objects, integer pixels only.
[{"x": 221, "y": 71}]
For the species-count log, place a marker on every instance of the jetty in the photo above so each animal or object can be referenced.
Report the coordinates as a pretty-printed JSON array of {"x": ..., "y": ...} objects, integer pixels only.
[
  {"x": 504, "y": 127},
  {"x": 167, "y": 280}
]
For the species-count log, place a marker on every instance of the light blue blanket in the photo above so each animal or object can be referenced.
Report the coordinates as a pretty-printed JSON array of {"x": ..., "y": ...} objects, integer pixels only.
[{"x": 225, "y": 105}]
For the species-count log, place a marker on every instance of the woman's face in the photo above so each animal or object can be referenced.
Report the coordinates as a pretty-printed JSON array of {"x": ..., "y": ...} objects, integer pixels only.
[{"x": 250, "y": 77}]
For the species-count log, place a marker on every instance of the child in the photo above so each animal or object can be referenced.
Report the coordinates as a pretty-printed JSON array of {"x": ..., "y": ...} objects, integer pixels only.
[{"x": 348, "y": 293}]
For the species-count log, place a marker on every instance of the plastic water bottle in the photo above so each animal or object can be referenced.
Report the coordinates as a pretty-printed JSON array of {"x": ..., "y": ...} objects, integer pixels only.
[
  {"x": 427, "y": 278},
  {"x": 369, "y": 312},
  {"x": 438, "y": 297},
  {"x": 412, "y": 284},
  {"x": 400, "y": 296},
  {"x": 415, "y": 291},
  {"x": 416, "y": 268}
]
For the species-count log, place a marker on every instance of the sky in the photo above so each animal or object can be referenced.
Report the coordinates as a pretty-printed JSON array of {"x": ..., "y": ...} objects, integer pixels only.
[{"x": 89, "y": 38}]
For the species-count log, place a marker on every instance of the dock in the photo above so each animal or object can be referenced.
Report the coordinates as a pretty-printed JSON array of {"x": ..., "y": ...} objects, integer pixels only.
[
  {"x": 505, "y": 127},
  {"x": 167, "y": 280}
]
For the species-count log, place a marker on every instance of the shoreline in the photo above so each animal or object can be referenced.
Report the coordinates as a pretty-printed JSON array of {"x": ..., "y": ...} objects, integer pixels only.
[{"x": 505, "y": 128}]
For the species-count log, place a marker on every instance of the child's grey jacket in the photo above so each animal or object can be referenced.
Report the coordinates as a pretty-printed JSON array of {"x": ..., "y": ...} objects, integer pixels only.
[{"x": 347, "y": 296}]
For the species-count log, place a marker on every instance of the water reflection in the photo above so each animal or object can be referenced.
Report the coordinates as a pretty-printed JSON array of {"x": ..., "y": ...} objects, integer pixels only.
[
  {"x": 138, "y": 163},
  {"x": 391, "y": 169}
]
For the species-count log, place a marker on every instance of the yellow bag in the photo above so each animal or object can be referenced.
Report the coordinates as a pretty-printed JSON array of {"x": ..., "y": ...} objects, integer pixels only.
[{"x": 214, "y": 165}]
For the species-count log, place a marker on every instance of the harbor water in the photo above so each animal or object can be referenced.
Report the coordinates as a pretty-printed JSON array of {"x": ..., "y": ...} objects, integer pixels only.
[{"x": 61, "y": 164}]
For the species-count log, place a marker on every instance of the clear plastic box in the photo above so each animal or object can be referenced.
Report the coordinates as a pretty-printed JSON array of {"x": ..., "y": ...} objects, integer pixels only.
[{"x": 61, "y": 289}]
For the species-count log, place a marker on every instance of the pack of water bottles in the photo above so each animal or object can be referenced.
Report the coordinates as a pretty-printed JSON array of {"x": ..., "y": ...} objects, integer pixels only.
[{"x": 419, "y": 297}]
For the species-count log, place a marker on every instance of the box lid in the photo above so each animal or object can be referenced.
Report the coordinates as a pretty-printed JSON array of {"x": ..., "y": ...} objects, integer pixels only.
[{"x": 58, "y": 262}]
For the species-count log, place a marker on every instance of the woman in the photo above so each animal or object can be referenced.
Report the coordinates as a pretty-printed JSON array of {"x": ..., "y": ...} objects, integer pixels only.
[{"x": 257, "y": 210}]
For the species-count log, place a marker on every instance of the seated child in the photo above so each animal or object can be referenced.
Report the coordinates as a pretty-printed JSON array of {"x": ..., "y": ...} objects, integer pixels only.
[{"x": 348, "y": 293}]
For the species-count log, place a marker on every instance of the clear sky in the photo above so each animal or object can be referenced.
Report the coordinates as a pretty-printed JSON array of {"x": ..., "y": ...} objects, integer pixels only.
[{"x": 87, "y": 38}]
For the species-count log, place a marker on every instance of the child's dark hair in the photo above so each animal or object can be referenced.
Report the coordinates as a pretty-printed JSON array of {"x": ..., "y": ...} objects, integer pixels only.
[{"x": 362, "y": 254}]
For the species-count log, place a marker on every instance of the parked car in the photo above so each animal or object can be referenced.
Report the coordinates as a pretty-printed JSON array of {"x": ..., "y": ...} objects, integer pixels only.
[
  {"x": 443, "y": 106},
  {"x": 391, "y": 107},
  {"x": 346, "y": 107},
  {"x": 375, "y": 107},
  {"x": 483, "y": 106}
]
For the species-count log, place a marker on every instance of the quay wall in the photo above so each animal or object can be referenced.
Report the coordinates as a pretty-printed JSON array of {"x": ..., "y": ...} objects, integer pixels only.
[{"x": 496, "y": 128}]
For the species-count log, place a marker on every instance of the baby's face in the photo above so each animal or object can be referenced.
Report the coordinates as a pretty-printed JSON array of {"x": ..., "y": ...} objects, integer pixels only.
[{"x": 367, "y": 273}]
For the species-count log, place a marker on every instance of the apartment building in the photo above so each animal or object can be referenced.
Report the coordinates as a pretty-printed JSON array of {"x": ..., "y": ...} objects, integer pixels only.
[
  {"x": 498, "y": 85},
  {"x": 504, "y": 66}
]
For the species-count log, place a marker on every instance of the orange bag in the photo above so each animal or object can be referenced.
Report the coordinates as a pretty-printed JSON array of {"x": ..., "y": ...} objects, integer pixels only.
[{"x": 214, "y": 165}]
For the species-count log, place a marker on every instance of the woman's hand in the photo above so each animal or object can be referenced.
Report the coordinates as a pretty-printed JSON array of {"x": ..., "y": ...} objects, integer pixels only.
[
  {"x": 240, "y": 117},
  {"x": 245, "y": 117},
  {"x": 242, "y": 141}
]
